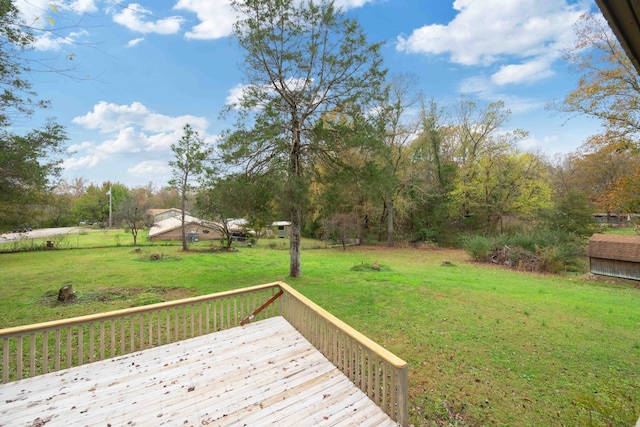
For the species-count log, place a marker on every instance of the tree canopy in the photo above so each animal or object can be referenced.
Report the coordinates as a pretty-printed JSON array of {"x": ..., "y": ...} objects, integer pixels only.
[
  {"x": 608, "y": 88},
  {"x": 28, "y": 162}
]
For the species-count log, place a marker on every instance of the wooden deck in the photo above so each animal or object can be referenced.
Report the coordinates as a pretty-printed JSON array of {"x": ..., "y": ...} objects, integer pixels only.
[{"x": 260, "y": 374}]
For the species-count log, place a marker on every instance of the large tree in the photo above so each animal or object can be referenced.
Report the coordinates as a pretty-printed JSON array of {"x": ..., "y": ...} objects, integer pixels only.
[
  {"x": 432, "y": 171},
  {"x": 608, "y": 88},
  {"x": 601, "y": 168},
  {"x": 130, "y": 213},
  {"x": 401, "y": 97},
  {"x": 302, "y": 60},
  {"x": 27, "y": 162},
  {"x": 188, "y": 164},
  {"x": 478, "y": 132}
]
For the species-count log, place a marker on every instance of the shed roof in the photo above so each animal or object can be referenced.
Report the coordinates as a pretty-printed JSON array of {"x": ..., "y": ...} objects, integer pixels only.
[{"x": 612, "y": 246}]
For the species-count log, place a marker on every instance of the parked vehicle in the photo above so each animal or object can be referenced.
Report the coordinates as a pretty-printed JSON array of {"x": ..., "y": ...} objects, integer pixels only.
[{"x": 23, "y": 228}]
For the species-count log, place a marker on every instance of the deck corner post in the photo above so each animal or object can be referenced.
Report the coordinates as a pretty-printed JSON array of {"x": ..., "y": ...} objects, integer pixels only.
[{"x": 403, "y": 396}]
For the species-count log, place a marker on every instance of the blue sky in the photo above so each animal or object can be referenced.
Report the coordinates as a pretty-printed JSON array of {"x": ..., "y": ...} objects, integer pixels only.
[{"x": 153, "y": 66}]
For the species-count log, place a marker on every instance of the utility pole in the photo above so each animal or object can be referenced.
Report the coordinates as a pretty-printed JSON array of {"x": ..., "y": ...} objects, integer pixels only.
[{"x": 109, "y": 193}]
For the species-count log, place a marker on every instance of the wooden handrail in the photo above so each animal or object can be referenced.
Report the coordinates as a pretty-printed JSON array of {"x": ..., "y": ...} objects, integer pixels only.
[{"x": 108, "y": 315}]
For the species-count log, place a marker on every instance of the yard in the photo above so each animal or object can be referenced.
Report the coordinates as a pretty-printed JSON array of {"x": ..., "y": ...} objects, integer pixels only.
[{"x": 485, "y": 346}]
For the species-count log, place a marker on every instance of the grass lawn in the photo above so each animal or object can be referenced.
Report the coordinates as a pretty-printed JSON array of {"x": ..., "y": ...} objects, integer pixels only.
[{"x": 485, "y": 346}]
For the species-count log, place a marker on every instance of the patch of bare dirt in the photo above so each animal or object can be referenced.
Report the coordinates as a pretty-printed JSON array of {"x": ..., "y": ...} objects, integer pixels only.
[{"x": 118, "y": 294}]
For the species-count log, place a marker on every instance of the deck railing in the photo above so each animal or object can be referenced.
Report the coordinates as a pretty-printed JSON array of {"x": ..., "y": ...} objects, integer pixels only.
[
  {"x": 36, "y": 349},
  {"x": 380, "y": 374}
]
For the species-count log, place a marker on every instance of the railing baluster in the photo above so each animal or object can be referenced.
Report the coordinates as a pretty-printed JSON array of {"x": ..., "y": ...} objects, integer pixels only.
[
  {"x": 384, "y": 385},
  {"x": 102, "y": 340},
  {"x": 132, "y": 334},
  {"x": 5, "y": 360},
  {"x": 91, "y": 341},
  {"x": 123, "y": 337},
  {"x": 19, "y": 357},
  {"x": 80, "y": 345},
  {"x": 141, "y": 331},
  {"x": 45, "y": 352},
  {"x": 193, "y": 321},
  {"x": 168, "y": 325},
  {"x": 159, "y": 327},
  {"x": 57, "y": 344},
  {"x": 150, "y": 331},
  {"x": 32, "y": 355},
  {"x": 113, "y": 337}
]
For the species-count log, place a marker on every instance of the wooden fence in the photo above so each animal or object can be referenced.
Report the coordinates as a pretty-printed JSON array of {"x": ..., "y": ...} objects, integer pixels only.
[{"x": 46, "y": 347}]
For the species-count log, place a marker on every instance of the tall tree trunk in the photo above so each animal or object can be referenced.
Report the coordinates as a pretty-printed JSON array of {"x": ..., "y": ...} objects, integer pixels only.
[
  {"x": 294, "y": 246},
  {"x": 184, "y": 231},
  {"x": 295, "y": 172},
  {"x": 390, "y": 232}
]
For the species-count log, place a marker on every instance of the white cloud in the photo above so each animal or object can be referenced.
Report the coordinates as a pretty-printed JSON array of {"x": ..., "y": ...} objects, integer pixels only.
[
  {"x": 80, "y": 6},
  {"x": 51, "y": 41},
  {"x": 162, "y": 141},
  {"x": 135, "y": 17},
  {"x": 55, "y": 24},
  {"x": 216, "y": 18},
  {"x": 134, "y": 42},
  {"x": 161, "y": 123},
  {"x": 529, "y": 71},
  {"x": 109, "y": 117},
  {"x": 130, "y": 131},
  {"x": 79, "y": 163},
  {"x": 351, "y": 4},
  {"x": 150, "y": 168},
  {"x": 490, "y": 31},
  {"x": 127, "y": 140},
  {"x": 235, "y": 94},
  {"x": 38, "y": 10},
  {"x": 77, "y": 147}
]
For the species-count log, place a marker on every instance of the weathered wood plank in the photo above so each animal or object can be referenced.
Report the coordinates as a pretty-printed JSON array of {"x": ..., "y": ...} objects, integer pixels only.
[{"x": 264, "y": 373}]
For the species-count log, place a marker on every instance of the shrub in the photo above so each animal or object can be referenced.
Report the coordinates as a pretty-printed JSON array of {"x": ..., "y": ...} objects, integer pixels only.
[
  {"x": 557, "y": 250},
  {"x": 479, "y": 247},
  {"x": 426, "y": 235}
]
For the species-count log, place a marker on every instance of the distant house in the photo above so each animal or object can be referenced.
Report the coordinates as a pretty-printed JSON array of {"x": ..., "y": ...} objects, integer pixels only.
[
  {"x": 617, "y": 219},
  {"x": 615, "y": 255},
  {"x": 196, "y": 228},
  {"x": 281, "y": 229}
]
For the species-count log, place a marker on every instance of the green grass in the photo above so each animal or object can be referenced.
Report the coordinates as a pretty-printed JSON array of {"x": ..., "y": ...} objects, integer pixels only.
[{"x": 485, "y": 346}]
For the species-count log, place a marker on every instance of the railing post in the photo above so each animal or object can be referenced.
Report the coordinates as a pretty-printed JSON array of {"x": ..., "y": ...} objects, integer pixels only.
[{"x": 403, "y": 396}]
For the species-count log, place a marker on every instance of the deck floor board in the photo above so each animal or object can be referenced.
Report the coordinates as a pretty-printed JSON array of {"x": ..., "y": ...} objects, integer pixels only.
[{"x": 263, "y": 373}]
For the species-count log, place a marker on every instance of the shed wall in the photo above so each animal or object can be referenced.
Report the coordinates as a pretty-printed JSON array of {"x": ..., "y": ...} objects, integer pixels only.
[{"x": 615, "y": 268}]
